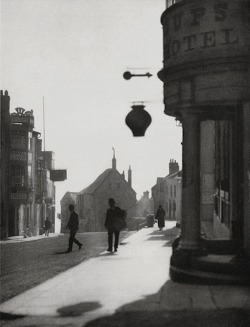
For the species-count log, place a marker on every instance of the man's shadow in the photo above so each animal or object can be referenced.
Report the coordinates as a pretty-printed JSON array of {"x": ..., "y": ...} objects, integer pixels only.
[{"x": 60, "y": 252}]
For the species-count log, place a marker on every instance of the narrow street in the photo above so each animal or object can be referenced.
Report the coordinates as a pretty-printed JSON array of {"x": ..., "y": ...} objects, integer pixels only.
[
  {"x": 128, "y": 288},
  {"x": 31, "y": 261}
]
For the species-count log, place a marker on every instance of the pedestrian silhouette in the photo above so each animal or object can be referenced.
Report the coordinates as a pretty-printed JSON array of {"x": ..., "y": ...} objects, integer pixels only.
[
  {"x": 73, "y": 226},
  {"x": 47, "y": 226},
  {"x": 114, "y": 223},
  {"x": 160, "y": 216}
]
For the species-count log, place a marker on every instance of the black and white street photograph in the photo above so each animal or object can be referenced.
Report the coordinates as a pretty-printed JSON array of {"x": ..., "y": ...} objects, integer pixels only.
[{"x": 125, "y": 163}]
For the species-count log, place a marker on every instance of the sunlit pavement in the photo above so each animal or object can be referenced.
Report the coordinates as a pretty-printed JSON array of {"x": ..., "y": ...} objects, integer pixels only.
[{"x": 133, "y": 282}]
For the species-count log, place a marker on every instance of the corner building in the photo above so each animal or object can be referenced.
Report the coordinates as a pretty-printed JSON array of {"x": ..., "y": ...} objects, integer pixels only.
[{"x": 206, "y": 78}]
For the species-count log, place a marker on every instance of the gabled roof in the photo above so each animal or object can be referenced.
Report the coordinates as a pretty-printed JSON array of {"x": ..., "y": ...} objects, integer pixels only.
[
  {"x": 100, "y": 179},
  {"x": 158, "y": 180},
  {"x": 72, "y": 195},
  {"x": 176, "y": 174}
]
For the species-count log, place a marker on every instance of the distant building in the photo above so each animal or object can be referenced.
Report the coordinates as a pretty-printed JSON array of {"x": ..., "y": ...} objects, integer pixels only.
[
  {"x": 92, "y": 201},
  {"x": 27, "y": 192},
  {"x": 167, "y": 192},
  {"x": 5, "y": 162},
  {"x": 145, "y": 205}
]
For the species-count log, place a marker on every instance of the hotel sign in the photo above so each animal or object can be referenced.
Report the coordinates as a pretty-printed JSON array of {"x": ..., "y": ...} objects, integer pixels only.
[
  {"x": 203, "y": 28},
  {"x": 18, "y": 155}
]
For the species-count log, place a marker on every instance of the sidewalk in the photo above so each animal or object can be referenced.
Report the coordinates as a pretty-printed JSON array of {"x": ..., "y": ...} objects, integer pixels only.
[
  {"x": 133, "y": 280},
  {"x": 17, "y": 239}
]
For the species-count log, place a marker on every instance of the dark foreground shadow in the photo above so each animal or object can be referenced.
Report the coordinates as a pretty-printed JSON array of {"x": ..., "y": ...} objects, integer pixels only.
[
  {"x": 167, "y": 308},
  {"x": 9, "y": 316},
  {"x": 205, "y": 318},
  {"x": 78, "y": 309}
]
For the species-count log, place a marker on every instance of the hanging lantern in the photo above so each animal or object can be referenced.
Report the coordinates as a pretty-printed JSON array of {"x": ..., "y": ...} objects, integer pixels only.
[{"x": 138, "y": 120}]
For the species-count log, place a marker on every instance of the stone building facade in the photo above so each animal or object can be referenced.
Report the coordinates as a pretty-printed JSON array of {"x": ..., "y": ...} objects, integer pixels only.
[
  {"x": 27, "y": 192},
  {"x": 5, "y": 162},
  {"x": 206, "y": 87},
  {"x": 167, "y": 192}
]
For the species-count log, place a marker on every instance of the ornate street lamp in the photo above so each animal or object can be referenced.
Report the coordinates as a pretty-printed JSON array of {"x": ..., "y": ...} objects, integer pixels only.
[{"x": 138, "y": 120}]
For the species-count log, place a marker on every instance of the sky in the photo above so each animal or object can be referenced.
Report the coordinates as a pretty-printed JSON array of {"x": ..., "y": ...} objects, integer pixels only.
[{"x": 73, "y": 53}]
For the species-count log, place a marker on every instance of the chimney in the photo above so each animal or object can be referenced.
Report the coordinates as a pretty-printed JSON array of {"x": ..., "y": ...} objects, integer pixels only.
[
  {"x": 173, "y": 167},
  {"x": 130, "y": 177},
  {"x": 5, "y": 103},
  {"x": 123, "y": 175},
  {"x": 114, "y": 160}
]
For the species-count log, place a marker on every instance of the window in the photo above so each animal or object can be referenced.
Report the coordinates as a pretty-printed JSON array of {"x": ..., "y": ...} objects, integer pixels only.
[
  {"x": 17, "y": 175},
  {"x": 30, "y": 141},
  {"x": 18, "y": 142},
  {"x": 175, "y": 191},
  {"x": 174, "y": 209},
  {"x": 30, "y": 175}
]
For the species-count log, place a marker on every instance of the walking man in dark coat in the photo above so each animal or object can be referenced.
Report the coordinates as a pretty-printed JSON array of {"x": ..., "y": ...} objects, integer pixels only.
[
  {"x": 73, "y": 225},
  {"x": 47, "y": 226},
  {"x": 113, "y": 214},
  {"x": 160, "y": 216}
]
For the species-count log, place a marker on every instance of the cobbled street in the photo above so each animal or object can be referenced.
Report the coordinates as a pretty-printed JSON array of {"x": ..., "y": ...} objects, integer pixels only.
[
  {"x": 31, "y": 262},
  {"x": 124, "y": 289}
]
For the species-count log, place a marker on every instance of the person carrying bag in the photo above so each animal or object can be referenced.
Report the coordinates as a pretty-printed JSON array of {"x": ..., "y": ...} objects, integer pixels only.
[{"x": 114, "y": 223}]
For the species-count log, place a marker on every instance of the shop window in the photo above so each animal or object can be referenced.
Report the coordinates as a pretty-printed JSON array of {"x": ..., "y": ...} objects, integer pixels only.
[{"x": 223, "y": 158}]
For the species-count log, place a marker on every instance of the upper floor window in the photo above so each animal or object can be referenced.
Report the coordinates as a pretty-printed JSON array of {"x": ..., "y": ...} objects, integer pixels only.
[
  {"x": 18, "y": 142},
  {"x": 30, "y": 141},
  {"x": 175, "y": 191},
  {"x": 17, "y": 174},
  {"x": 170, "y": 3}
]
